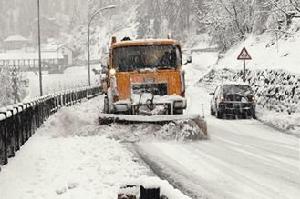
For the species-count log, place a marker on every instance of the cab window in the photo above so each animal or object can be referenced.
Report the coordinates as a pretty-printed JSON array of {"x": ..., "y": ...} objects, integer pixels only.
[{"x": 133, "y": 58}]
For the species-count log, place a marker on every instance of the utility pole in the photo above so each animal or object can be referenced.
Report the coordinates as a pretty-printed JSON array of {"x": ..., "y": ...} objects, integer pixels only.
[
  {"x": 244, "y": 73},
  {"x": 89, "y": 68},
  {"x": 39, "y": 48},
  {"x": 277, "y": 44}
]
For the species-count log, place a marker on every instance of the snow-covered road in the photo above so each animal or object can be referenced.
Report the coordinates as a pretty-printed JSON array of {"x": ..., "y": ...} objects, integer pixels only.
[{"x": 242, "y": 158}]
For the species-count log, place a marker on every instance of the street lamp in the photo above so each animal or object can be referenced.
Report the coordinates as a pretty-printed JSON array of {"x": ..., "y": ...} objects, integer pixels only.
[
  {"x": 39, "y": 48},
  {"x": 89, "y": 24}
]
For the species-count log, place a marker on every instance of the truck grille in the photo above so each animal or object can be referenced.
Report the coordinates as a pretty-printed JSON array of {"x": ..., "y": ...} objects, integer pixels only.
[{"x": 155, "y": 89}]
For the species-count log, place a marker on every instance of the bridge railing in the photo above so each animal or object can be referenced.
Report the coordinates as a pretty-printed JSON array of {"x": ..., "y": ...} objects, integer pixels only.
[{"x": 19, "y": 122}]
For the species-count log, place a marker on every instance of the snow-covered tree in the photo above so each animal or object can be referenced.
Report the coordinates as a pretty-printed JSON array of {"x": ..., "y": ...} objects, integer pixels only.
[
  {"x": 12, "y": 86},
  {"x": 158, "y": 18},
  {"x": 229, "y": 21}
]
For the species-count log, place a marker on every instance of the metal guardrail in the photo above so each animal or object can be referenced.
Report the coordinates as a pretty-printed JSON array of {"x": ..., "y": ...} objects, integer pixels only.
[{"x": 19, "y": 122}]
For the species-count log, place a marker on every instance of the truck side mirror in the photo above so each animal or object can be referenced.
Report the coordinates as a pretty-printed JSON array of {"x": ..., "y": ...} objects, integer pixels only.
[{"x": 189, "y": 60}]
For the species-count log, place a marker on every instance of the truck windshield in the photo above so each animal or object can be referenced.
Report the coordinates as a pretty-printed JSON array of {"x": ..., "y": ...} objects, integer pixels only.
[{"x": 133, "y": 58}]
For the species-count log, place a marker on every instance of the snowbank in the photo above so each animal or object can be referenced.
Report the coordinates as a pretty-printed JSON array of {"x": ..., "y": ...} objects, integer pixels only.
[
  {"x": 289, "y": 123},
  {"x": 179, "y": 131}
]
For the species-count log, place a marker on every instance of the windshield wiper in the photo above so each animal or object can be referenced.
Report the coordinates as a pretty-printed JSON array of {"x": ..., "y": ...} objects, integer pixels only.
[{"x": 165, "y": 67}]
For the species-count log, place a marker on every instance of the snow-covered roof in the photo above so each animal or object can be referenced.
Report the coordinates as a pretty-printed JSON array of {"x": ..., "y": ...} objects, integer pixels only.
[
  {"x": 54, "y": 47},
  {"x": 145, "y": 42},
  {"x": 31, "y": 56},
  {"x": 15, "y": 38}
]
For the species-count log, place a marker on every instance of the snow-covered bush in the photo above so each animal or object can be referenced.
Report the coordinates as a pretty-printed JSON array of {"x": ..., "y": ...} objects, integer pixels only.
[
  {"x": 5, "y": 89},
  {"x": 12, "y": 86}
]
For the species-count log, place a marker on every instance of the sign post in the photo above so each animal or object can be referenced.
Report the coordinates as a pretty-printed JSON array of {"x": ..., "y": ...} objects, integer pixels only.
[{"x": 244, "y": 55}]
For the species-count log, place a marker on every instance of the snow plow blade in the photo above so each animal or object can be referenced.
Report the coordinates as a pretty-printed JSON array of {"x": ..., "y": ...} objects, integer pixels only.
[{"x": 107, "y": 119}]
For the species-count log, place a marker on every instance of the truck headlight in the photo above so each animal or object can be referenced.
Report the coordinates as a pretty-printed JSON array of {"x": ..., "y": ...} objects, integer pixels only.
[{"x": 112, "y": 72}]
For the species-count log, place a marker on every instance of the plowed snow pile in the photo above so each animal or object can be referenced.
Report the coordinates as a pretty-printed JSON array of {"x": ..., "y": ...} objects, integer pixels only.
[
  {"x": 71, "y": 157},
  {"x": 180, "y": 131},
  {"x": 84, "y": 122}
]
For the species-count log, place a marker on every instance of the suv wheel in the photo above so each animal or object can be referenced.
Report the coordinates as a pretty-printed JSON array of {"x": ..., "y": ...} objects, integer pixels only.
[
  {"x": 212, "y": 111},
  {"x": 106, "y": 105},
  {"x": 219, "y": 114},
  {"x": 253, "y": 114}
]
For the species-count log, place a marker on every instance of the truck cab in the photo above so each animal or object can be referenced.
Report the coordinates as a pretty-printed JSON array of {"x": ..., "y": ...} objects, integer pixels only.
[{"x": 145, "y": 77}]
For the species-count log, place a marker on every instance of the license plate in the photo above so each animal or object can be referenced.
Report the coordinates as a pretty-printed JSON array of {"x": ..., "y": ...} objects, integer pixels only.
[{"x": 149, "y": 80}]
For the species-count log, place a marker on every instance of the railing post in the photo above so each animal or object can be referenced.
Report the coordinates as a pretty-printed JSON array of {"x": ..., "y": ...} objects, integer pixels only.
[
  {"x": 16, "y": 118},
  {"x": 21, "y": 124},
  {"x": 10, "y": 129},
  {"x": 3, "y": 139},
  {"x": 27, "y": 122}
]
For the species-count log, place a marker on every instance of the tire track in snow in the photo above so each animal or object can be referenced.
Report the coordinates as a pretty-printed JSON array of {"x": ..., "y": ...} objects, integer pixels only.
[
  {"x": 250, "y": 171},
  {"x": 177, "y": 179},
  {"x": 195, "y": 170}
]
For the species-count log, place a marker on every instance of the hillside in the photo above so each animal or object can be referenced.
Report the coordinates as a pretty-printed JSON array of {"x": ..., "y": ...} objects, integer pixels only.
[{"x": 263, "y": 49}]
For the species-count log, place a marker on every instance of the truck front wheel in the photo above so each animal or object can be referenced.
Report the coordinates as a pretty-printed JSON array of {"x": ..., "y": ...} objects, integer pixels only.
[
  {"x": 219, "y": 114},
  {"x": 106, "y": 105}
]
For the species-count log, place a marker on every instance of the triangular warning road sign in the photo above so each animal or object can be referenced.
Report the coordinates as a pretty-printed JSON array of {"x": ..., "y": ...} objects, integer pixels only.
[{"x": 244, "y": 55}]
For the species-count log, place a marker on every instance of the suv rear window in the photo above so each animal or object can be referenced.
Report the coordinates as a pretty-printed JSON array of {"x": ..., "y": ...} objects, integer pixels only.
[{"x": 237, "y": 89}]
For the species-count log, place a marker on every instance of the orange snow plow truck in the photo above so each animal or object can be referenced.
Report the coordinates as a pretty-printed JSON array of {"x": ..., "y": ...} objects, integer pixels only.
[{"x": 145, "y": 84}]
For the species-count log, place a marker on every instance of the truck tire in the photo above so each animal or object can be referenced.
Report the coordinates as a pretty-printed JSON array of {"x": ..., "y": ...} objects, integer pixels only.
[
  {"x": 212, "y": 111},
  {"x": 253, "y": 114},
  {"x": 106, "y": 105},
  {"x": 219, "y": 114},
  {"x": 178, "y": 111}
]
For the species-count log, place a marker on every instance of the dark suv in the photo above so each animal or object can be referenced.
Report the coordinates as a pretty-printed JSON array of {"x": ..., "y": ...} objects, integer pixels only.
[{"x": 233, "y": 100}]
